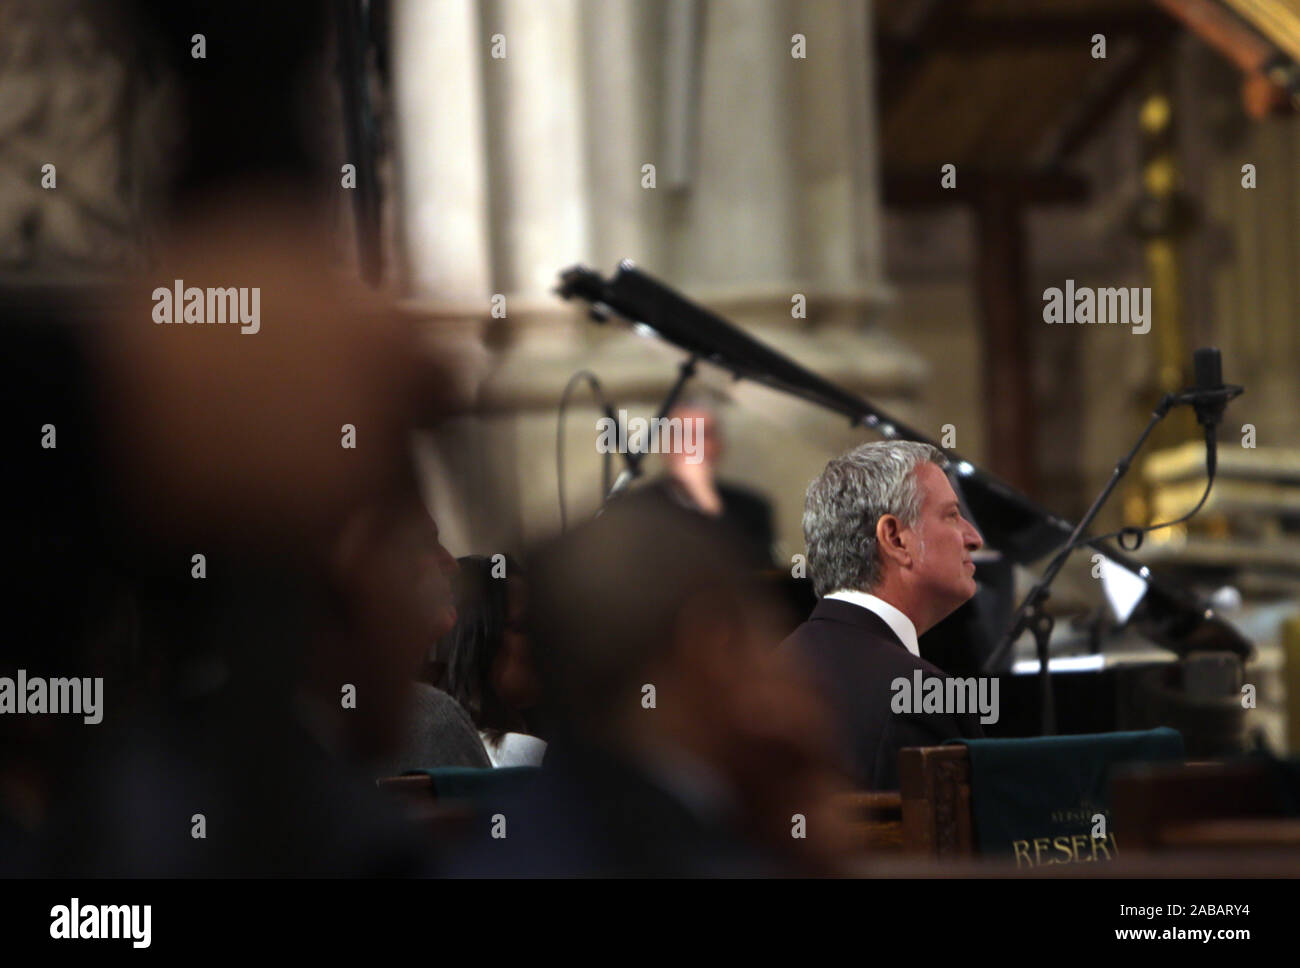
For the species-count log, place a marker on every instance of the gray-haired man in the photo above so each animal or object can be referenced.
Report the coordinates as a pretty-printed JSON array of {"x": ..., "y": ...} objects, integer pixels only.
[{"x": 889, "y": 553}]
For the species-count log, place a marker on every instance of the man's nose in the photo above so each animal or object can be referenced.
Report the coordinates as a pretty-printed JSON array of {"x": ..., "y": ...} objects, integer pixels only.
[{"x": 973, "y": 540}]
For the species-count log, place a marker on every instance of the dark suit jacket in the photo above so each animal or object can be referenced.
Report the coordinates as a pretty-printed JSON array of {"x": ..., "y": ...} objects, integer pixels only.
[{"x": 854, "y": 656}]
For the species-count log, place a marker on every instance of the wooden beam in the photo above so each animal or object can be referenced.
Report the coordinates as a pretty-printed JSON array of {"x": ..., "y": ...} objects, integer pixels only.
[
  {"x": 1270, "y": 83},
  {"x": 1262, "y": 98},
  {"x": 914, "y": 189},
  {"x": 1224, "y": 31},
  {"x": 1000, "y": 280},
  {"x": 902, "y": 54},
  {"x": 1278, "y": 20},
  {"x": 1095, "y": 109}
]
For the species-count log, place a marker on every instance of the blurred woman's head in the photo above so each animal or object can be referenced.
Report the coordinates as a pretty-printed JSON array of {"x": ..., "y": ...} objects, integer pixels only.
[{"x": 486, "y": 664}]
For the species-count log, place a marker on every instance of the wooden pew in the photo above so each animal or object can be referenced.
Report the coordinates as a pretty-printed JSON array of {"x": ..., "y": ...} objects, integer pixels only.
[
  {"x": 1166, "y": 806},
  {"x": 1157, "y": 806},
  {"x": 1201, "y": 806},
  {"x": 418, "y": 802},
  {"x": 877, "y": 819},
  {"x": 417, "y": 786},
  {"x": 934, "y": 790},
  {"x": 876, "y": 816},
  {"x": 1260, "y": 833}
]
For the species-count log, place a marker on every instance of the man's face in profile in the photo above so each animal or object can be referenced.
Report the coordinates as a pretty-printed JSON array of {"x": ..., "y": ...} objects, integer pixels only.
[
  {"x": 399, "y": 584},
  {"x": 431, "y": 569},
  {"x": 944, "y": 568},
  {"x": 395, "y": 579}
]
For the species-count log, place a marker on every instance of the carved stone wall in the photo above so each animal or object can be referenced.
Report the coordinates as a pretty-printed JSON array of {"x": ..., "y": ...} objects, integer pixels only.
[{"x": 75, "y": 97}]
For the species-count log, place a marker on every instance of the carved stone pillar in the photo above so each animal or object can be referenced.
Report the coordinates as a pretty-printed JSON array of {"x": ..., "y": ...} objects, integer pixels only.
[{"x": 770, "y": 191}]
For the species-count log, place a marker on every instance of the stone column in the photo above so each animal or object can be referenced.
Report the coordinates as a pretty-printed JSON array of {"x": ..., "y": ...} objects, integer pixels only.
[
  {"x": 780, "y": 198},
  {"x": 438, "y": 50},
  {"x": 535, "y": 123},
  {"x": 443, "y": 153}
]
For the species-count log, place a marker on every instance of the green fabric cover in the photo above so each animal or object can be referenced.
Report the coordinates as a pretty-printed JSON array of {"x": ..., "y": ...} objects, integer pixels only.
[
  {"x": 1036, "y": 798},
  {"x": 473, "y": 783}
]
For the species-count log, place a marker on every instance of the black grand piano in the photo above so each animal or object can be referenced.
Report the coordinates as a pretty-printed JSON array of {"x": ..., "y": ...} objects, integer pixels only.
[{"x": 1169, "y": 659}]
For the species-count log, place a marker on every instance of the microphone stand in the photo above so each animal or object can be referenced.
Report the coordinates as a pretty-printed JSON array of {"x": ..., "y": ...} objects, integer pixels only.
[
  {"x": 1031, "y": 615},
  {"x": 633, "y": 461}
]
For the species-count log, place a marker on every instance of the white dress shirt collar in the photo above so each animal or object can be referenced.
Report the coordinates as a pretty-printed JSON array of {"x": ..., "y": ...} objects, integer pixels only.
[{"x": 899, "y": 623}]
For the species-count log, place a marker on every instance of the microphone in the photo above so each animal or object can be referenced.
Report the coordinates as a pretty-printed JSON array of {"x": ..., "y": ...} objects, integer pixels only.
[
  {"x": 1210, "y": 395},
  {"x": 1207, "y": 365},
  {"x": 1208, "y": 398}
]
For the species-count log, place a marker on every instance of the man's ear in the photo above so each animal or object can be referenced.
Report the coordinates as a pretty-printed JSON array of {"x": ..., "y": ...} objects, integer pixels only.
[{"x": 889, "y": 540}]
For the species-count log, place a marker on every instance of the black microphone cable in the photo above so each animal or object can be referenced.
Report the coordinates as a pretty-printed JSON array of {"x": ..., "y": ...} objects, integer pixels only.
[
  {"x": 1137, "y": 534},
  {"x": 596, "y": 390}
]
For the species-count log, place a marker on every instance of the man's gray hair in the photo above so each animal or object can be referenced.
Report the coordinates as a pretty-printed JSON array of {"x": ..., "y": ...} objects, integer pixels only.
[{"x": 846, "y": 501}]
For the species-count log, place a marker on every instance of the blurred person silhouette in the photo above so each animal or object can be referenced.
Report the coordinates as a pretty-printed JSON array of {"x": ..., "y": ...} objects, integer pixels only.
[
  {"x": 682, "y": 744},
  {"x": 262, "y": 760},
  {"x": 486, "y": 663},
  {"x": 690, "y": 480},
  {"x": 253, "y": 534},
  {"x": 396, "y": 595},
  {"x": 68, "y": 613}
]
